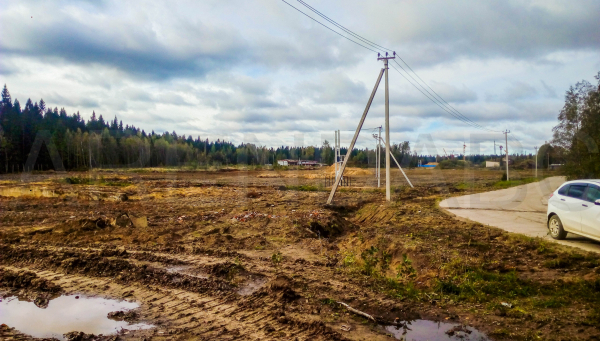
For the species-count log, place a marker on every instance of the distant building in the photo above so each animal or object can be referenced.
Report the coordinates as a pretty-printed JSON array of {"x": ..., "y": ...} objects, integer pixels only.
[
  {"x": 492, "y": 164},
  {"x": 290, "y": 162},
  {"x": 555, "y": 166},
  {"x": 430, "y": 165}
]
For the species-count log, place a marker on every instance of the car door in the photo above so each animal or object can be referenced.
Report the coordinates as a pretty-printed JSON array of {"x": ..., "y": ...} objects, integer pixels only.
[
  {"x": 590, "y": 215},
  {"x": 574, "y": 201},
  {"x": 559, "y": 201}
]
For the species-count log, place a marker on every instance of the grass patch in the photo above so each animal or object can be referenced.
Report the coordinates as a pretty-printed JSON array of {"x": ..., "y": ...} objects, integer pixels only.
[
  {"x": 552, "y": 302},
  {"x": 513, "y": 183}
]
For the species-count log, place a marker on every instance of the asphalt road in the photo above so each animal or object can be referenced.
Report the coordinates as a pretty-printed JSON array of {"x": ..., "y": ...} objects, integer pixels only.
[{"x": 520, "y": 209}]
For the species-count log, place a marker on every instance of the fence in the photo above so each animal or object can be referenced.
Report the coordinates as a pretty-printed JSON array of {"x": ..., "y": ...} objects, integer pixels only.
[{"x": 346, "y": 181}]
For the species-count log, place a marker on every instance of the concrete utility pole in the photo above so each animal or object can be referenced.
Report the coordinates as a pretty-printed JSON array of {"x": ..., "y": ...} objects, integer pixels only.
[
  {"x": 388, "y": 195},
  {"x": 506, "y": 132},
  {"x": 379, "y": 158},
  {"x": 535, "y": 160},
  {"x": 335, "y": 152},
  {"x": 362, "y": 120}
]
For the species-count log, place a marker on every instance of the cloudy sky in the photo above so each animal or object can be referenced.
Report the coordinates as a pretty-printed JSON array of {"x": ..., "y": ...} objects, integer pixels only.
[{"x": 259, "y": 71}]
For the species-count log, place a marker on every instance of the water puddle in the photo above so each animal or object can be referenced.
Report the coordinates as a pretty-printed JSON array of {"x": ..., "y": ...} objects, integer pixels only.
[
  {"x": 425, "y": 330},
  {"x": 66, "y": 314},
  {"x": 189, "y": 270},
  {"x": 252, "y": 285}
]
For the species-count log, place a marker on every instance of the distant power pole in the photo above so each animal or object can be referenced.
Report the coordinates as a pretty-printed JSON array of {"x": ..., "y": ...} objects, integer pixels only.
[
  {"x": 379, "y": 158},
  {"x": 536, "y": 151},
  {"x": 388, "y": 195},
  {"x": 495, "y": 148},
  {"x": 506, "y": 132}
]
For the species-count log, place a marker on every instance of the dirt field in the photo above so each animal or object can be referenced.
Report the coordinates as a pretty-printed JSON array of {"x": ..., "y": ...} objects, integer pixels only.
[{"x": 256, "y": 255}]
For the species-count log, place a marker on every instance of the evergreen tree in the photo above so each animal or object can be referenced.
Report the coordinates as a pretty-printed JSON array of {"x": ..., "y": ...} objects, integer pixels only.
[{"x": 6, "y": 100}]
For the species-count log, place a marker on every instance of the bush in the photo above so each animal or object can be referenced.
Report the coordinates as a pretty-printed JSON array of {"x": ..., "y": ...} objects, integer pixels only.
[{"x": 454, "y": 164}]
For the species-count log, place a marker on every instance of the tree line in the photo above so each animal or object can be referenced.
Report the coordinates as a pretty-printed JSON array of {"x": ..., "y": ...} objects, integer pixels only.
[
  {"x": 37, "y": 137},
  {"x": 576, "y": 137}
]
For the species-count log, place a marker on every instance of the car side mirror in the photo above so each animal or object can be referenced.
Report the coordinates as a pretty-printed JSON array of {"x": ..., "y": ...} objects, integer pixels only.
[{"x": 597, "y": 202}]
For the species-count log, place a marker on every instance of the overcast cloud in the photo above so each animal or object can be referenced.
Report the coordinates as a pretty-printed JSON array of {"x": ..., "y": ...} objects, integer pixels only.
[{"x": 262, "y": 70}]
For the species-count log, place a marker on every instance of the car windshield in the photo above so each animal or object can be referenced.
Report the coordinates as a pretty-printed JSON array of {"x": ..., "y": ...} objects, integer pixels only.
[
  {"x": 593, "y": 193},
  {"x": 576, "y": 191}
]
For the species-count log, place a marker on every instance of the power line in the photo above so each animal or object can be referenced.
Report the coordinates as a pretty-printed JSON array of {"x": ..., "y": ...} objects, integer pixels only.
[
  {"x": 445, "y": 104},
  {"x": 374, "y": 45},
  {"x": 366, "y": 41},
  {"x": 320, "y": 23},
  {"x": 434, "y": 97},
  {"x": 432, "y": 100}
]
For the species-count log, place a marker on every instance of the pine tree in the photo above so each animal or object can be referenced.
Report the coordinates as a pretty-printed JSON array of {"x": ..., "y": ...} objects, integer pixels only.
[
  {"x": 6, "y": 100},
  {"x": 101, "y": 123}
]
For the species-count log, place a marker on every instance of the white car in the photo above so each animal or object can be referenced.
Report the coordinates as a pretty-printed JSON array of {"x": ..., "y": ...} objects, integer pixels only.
[{"x": 575, "y": 207}]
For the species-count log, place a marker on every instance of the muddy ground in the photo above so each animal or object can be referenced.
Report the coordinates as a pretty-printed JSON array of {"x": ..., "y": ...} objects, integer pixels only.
[{"x": 256, "y": 255}]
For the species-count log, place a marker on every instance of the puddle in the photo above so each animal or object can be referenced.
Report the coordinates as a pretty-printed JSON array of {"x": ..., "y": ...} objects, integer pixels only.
[
  {"x": 66, "y": 314},
  {"x": 252, "y": 286},
  {"x": 188, "y": 270},
  {"x": 425, "y": 330}
]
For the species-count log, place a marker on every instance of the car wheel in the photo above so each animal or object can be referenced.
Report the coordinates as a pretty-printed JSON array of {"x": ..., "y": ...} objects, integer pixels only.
[{"x": 556, "y": 228}]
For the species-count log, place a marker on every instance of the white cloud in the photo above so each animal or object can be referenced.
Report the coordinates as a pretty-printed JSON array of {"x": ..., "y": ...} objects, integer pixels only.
[{"x": 215, "y": 68}]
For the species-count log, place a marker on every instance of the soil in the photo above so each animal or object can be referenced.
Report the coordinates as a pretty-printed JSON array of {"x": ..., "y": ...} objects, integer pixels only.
[{"x": 244, "y": 255}]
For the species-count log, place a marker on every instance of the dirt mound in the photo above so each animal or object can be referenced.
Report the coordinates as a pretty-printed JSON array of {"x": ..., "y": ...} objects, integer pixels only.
[
  {"x": 223, "y": 269},
  {"x": 93, "y": 264},
  {"x": 127, "y": 316},
  {"x": 26, "y": 280},
  {"x": 350, "y": 171},
  {"x": 81, "y": 336},
  {"x": 281, "y": 286}
]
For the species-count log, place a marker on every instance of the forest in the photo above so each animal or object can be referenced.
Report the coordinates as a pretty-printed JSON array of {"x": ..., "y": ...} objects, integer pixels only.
[{"x": 37, "y": 137}]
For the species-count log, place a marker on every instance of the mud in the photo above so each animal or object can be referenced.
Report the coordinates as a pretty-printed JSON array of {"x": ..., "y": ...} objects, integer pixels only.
[{"x": 242, "y": 255}]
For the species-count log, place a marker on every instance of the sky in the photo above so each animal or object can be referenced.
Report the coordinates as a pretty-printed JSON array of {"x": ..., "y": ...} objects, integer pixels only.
[{"x": 261, "y": 72}]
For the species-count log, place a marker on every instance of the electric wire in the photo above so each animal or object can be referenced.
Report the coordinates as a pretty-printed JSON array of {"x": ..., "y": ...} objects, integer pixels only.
[
  {"x": 435, "y": 102},
  {"x": 320, "y": 23},
  {"x": 357, "y": 36},
  {"x": 377, "y": 46},
  {"x": 443, "y": 104}
]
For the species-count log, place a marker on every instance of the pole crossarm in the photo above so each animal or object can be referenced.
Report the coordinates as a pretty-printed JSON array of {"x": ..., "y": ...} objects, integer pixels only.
[{"x": 362, "y": 120}]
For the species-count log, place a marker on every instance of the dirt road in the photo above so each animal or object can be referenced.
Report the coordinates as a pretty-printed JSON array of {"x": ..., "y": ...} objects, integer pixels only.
[{"x": 519, "y": 209}]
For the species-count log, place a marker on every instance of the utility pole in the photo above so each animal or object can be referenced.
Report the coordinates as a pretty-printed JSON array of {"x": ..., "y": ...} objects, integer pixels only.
[
  {"x": 362, "y": 120},
  {"x": 536, "y": 149},
  {"x": 506, "y": 132},
  {"x": 335, "y": 152},
  {"x": 379, "y": 158},
  {"x": 464, "y": 152},
  {"x": 388, "y": 196},
  {"x": 495, "y": 148}
]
